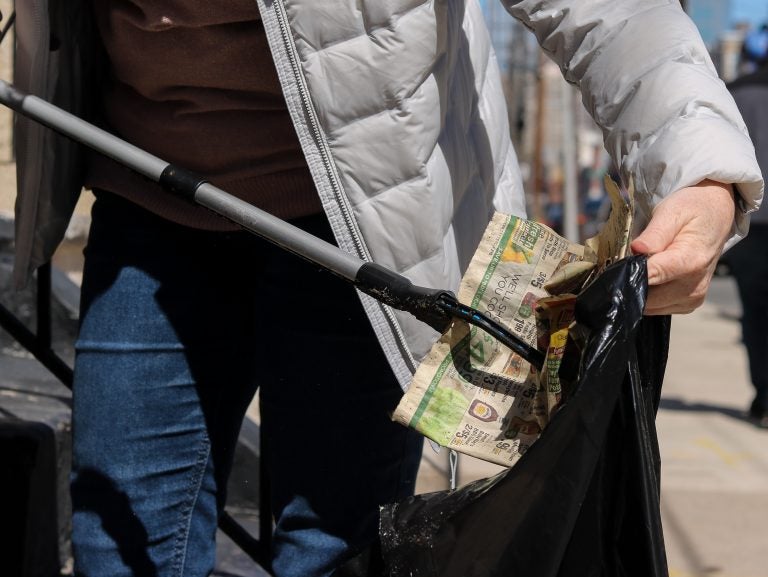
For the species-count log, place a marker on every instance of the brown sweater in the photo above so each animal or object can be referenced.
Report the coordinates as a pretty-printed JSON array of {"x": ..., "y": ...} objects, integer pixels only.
[{"x": 193, "y": 83}]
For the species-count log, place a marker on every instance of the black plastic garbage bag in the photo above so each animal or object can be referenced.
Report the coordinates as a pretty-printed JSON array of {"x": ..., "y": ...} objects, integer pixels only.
[{"x": 584, "y": 500}]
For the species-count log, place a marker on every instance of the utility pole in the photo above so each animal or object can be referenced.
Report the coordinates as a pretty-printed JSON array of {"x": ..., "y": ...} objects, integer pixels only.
[
  {"x": 570, "y": 168},
  {"x": 537, "y": 182}
]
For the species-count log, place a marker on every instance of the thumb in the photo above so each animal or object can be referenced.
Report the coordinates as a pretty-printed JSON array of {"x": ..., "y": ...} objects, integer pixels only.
[{"x": 655, "y": 238}]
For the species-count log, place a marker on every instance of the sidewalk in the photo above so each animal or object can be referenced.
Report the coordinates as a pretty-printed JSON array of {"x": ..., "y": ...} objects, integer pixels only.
[{"x": 714, "y": 464}]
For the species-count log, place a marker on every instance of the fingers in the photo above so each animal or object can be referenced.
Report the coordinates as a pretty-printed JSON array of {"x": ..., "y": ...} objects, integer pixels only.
[
  {"x": 678, "y": 278},
  {"x": 677, "y": 297},
  {"x": 659, "y": 234}
]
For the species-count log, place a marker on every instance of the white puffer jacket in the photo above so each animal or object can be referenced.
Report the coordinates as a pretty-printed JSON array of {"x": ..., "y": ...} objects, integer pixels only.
[{"x": 399, "y": 109}]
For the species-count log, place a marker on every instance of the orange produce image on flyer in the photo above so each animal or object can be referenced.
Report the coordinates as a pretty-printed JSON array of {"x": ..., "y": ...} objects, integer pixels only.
[
  {"x": 522, "y": 242},
  {"x": 514, "y": 253}
]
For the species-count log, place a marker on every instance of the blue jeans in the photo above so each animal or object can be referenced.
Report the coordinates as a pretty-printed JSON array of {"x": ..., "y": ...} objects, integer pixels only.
[{"x": 178, "y": 329}]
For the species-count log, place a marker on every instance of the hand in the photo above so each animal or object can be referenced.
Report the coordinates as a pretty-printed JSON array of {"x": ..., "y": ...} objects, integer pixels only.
[{"x": 684, "y": 240}]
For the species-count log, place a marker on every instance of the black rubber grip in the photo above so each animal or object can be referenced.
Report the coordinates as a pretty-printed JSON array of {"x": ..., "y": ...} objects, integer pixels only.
[
  {"x": 181, "y": 182},
  {"x": 399, "y": 292}
]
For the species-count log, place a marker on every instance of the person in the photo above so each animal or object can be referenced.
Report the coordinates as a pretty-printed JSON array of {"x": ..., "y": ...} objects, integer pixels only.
[
  {"x": 753, "y": 49},
  {"x": 380, "y": 126},
  {"x": 747, "y": 260}
]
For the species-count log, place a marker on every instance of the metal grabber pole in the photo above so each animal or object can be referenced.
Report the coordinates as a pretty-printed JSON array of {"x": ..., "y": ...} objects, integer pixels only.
[{"x": 436, "y": 307}]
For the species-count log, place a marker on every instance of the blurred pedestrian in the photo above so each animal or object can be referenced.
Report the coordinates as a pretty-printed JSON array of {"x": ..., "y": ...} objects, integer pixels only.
[{"x": 748, "y": 260}]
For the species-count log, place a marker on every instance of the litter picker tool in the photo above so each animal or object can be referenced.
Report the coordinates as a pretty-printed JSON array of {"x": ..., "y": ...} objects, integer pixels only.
[{"x": 435, "y": 307}]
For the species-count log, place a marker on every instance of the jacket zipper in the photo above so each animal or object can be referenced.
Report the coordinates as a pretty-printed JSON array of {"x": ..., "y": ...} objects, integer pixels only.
[{"x": 322, "y": 144}]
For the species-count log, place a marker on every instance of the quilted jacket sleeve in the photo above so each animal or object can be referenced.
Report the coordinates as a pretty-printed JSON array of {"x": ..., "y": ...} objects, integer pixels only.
[{"x": 647, "y": 79}]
